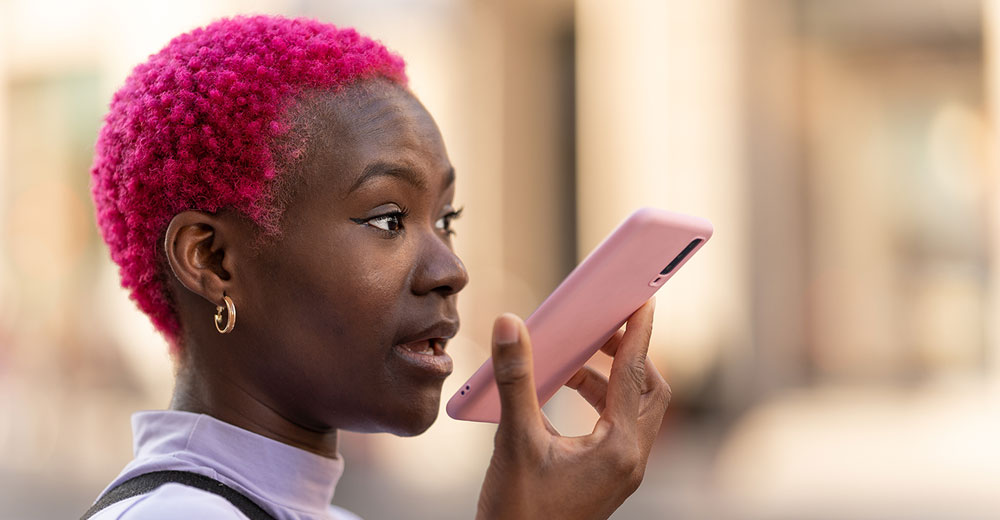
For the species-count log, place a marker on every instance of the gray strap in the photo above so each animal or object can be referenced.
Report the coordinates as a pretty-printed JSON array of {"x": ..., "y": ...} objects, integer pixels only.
[{"x": 149, "y": 482}]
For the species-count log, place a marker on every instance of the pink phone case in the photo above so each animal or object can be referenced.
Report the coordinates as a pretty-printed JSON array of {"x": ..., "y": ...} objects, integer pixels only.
[{"x": 591, "y": 304}]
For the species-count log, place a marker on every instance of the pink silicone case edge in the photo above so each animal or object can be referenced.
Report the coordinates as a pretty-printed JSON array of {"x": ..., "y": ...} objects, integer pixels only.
[{"x": 591, "y": 304}]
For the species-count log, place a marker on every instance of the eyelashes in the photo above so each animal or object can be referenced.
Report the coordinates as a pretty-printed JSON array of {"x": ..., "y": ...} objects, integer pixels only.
[
  {"x": 447, "y": 219},
  {"x": 389, "y": 222},
  {"x": 393, "y": 222}
]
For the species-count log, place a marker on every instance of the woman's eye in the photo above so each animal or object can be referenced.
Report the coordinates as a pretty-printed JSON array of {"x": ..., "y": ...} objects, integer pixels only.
[
  {"x": 444, "y": 223},
  {"x": 390, "y": 222}
]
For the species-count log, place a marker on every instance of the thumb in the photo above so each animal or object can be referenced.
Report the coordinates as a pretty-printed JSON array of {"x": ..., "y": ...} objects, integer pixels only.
[{"x": 512, "y": 368}]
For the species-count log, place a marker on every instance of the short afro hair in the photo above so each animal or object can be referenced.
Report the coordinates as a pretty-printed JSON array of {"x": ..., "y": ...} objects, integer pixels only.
[{"x": 196, "y": 127}]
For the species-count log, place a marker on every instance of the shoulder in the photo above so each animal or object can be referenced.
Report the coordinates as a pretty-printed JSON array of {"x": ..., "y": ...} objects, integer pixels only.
[{"x": 171, "y": 501}]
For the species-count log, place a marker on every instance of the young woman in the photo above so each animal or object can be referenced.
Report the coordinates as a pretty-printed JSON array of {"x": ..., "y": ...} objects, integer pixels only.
[{"x": 280, "y": 171}]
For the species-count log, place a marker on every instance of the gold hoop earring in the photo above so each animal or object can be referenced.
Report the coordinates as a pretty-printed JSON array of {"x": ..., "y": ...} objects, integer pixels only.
[{"x": 230, "y": 315}]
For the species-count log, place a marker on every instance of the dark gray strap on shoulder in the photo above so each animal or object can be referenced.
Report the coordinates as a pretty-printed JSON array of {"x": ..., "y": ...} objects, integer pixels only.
[{"x": 148, "y": 482}]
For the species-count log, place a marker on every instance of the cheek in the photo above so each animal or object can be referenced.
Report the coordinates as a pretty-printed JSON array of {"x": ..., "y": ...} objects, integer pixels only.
[
  {"x": 330, "y": 299},
  {"x": 368, "y": 279},
  {"x": 367, "y": 299},
  {"x": 350, "y": 294}
]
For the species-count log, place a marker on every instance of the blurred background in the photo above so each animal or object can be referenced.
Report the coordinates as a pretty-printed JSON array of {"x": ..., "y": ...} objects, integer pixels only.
[{"x": 834, "y": 352}]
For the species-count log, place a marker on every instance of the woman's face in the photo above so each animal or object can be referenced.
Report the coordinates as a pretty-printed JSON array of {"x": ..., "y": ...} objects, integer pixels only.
[{"x": 346, "y": 316}]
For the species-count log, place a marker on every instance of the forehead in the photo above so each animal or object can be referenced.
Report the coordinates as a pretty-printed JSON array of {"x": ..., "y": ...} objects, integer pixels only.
[{"x": 371, "y": 122}]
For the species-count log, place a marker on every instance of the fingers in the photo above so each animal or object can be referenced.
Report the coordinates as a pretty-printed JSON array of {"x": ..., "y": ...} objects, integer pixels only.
[
  {"x": 654, "y": 382},
  {"x": 628, "y": 371},
  {"x": 512, "y": 368},
  {"x": 655, "y": 399},
  {"x": 655, "y": 395},
  {"x": 610, "y": 346},
  {"x": 592, "y": 385}
]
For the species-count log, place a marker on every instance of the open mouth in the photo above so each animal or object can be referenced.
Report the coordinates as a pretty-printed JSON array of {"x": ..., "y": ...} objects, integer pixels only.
[
  {"x": 427, "y": 356},
  {"x": 427, "y": 347},
  {"x": 424, "y": 351}
]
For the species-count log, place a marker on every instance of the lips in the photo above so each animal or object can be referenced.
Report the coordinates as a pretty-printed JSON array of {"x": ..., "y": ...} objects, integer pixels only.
[
  {"x": 427, "y": 347},
  {"x": 430, "y": 340},
  {"x": 423, "y": 351}
]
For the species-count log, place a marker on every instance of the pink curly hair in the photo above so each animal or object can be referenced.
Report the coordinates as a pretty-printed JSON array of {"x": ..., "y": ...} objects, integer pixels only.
[{"x": 196, "y": 127}]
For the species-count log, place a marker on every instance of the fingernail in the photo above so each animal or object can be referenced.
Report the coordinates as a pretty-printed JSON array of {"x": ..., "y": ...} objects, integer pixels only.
[{"x": 505, "y": 331}]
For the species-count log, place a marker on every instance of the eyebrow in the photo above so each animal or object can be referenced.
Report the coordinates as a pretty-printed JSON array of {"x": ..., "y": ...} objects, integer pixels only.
[{"x": 385, "y": 169}]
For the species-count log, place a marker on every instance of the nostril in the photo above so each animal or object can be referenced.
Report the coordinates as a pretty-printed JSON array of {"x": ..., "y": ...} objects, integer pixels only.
[{"x": 447, "y": 290}]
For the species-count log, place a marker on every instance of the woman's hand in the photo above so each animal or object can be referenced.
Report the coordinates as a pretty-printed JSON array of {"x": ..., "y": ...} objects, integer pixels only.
[{"x": 535, "y": 472}]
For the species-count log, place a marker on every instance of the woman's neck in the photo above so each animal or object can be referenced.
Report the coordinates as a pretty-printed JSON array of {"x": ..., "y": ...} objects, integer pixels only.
[{"x": 216, "y": 395}]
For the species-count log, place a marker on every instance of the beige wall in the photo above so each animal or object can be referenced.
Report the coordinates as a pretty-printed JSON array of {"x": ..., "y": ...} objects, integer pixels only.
[
  {"x": 844, "y": 150},
  {"x": 660, "y": 125}
]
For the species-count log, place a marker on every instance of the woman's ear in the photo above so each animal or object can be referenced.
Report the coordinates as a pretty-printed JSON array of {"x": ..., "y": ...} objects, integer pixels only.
[{"x": 197, "y": 247}]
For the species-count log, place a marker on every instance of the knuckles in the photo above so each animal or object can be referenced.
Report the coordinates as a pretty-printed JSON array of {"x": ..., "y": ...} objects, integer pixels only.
[
  {"x": 635, "y": 479},
  {"x": 628, "y": 467},
  {"x": 625, "y": 461},
  {"x": 647, "y": 332},
  {"x": 635, "y": 371}
]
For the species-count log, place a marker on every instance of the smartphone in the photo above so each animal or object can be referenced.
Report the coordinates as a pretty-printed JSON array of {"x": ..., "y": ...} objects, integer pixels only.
[{"x": 591, "y": 304}]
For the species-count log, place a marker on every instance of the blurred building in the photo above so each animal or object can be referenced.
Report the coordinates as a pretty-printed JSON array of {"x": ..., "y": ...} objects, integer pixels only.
[{"x": 834, "y": 350}]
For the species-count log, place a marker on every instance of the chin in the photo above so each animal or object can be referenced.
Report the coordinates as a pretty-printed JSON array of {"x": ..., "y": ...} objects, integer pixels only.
[
  {"x": 414, "y": 429},
  {"x": 413, "y": 419}
]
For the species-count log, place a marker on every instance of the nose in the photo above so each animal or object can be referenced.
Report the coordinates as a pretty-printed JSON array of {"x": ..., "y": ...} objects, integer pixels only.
[{"x": 439, "y": 269}]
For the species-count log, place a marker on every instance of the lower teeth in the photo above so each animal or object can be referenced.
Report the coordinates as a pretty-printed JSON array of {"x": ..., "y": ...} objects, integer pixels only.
[{"x": 428, "y": 350}]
